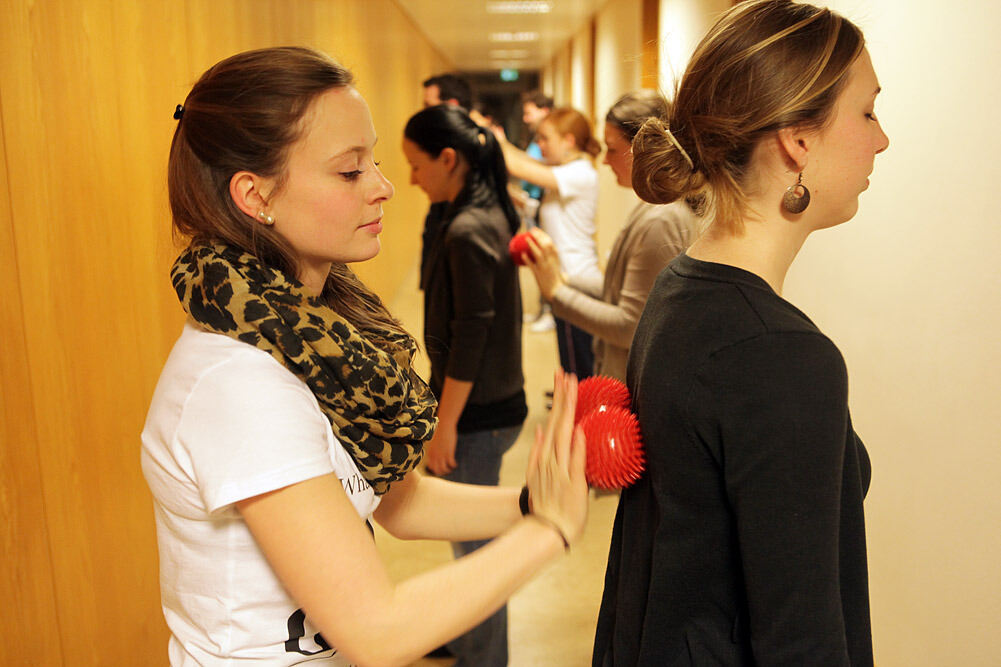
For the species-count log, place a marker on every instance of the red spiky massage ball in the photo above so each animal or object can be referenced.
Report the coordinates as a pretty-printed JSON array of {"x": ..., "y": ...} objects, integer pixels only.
[
  {"x": 599, "y": 390},
  {"x": 518, "y": 248},
  {"x": 614, "y": 448}
]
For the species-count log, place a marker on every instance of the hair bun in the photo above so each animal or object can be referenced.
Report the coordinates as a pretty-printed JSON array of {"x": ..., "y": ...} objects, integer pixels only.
[{"x": 662, "y": 171}]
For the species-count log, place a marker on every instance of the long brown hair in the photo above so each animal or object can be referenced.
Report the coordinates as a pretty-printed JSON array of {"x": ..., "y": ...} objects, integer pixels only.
[
  {"x": 244, "y": 114},
  {"x": 764, "y": 65}
]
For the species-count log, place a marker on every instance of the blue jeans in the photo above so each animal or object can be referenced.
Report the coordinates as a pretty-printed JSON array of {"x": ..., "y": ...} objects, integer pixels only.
[
  {"x": 576, "y": 349},
  {"x": 478, "y": 455}
]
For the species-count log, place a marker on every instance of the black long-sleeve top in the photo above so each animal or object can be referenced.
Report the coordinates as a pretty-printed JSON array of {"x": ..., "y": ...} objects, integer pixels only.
[
  {"x": 472, "y": 315},
  {"x": 744, "y": 542}
]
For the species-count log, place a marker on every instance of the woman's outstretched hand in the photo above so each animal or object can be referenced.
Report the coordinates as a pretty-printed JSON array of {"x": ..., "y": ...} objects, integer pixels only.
[{"x": 557, "y": 488}]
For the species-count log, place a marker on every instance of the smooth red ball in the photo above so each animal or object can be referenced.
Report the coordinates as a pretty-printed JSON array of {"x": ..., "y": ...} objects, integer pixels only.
[
  {"x": 599, "y": 390},
  {"x": 518, "y": 248},
  {"x": 615, "y": 457}
]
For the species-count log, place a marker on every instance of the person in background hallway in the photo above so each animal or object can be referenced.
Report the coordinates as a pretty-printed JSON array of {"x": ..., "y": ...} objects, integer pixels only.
[
  {"x": 567, "y": 212},
  {"x": 535, "y": 106},
  {"x": 744, "y": 541},
  {"x": 453, "y": 90},
  {"x": 472, "y": 321},
  {"x": 652, "y": 236},
  {"x": 448, "y": 89},
  {"x": 288, "y": 415}
]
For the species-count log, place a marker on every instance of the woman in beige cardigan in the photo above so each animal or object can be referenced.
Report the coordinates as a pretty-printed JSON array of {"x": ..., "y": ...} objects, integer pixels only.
[{"x": 652, "y": 236}]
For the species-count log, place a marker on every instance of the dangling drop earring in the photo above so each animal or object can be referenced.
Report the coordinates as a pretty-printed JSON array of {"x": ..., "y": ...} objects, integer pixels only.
[
  {"x": 792, "y": 200},
  {"x": 265, "y": 218}
]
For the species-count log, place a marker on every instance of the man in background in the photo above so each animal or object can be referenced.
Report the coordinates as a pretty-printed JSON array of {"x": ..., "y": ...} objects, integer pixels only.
[
  {"x": 441, "y": 89},
  {"x": 448, "y": 89}
]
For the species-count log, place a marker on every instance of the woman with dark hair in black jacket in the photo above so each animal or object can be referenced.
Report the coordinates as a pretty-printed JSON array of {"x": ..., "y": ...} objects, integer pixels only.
[{"x": 472, "y": 319}]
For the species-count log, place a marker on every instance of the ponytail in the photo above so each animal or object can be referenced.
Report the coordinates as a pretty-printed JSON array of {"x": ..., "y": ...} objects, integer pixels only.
[{"x": 439, "y": 127}]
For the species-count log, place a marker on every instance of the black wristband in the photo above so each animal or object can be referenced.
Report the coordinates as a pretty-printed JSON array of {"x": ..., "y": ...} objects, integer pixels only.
[{"x": 523, "y": 501}]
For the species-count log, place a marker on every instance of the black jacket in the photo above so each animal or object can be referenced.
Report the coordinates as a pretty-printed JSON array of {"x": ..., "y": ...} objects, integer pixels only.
[
  {"x": 744, "y": 543},
  {"x": 472, "y": 315}
]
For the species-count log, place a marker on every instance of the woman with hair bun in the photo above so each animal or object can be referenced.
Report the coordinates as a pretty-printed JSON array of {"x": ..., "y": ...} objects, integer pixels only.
[
  {"x": 652, "y": 236},
  {"x": 744, "y": 542},
  {"x": 288, "y": 415},
  {"x": 472, "y": 321},
  {"x": 567, "y": 212}
]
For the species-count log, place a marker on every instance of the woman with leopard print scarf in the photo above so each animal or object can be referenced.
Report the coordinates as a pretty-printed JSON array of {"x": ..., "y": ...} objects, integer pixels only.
[{"x": 288, "y": 414}]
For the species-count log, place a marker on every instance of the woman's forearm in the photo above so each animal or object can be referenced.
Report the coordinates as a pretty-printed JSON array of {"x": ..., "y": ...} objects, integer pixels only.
[
  {"x": 616, "y": 323},
  {"x": 521, "y": 165},
  {"x": 328, "y": 562},
  {"x": 454, "y": 395},
  {"x": 612, "y": 323},
  {"x": 462, "y": 593},
  {"x": 423, "y": 507}
]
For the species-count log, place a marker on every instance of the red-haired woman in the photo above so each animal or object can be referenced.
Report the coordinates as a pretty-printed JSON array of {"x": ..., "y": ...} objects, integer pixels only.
[{"x": 567, "y": 212}]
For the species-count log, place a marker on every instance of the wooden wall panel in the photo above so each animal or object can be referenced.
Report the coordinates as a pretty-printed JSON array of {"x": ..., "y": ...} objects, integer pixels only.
[
  {"x": 152, "y": 81},
  {"x": 88, "y": 90},
  {"x": 32, "y": 191},
  {"x": 649, "y": 27},
  {"x": 391, "y": 82},
  {"x": 87, "y": 276},
  {"x": 29, "y": 624}
]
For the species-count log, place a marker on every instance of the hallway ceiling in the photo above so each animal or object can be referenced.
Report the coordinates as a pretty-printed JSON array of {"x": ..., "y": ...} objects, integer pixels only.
[{"x": 474, "y": 36}]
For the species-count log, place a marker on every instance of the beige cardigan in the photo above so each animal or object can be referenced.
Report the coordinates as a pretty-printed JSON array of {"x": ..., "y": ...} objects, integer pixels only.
[{"x": 652, "y": 236}]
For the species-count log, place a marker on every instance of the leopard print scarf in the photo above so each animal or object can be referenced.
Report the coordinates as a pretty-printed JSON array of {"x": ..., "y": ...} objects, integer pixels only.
[{"x": 380, "y": 409}]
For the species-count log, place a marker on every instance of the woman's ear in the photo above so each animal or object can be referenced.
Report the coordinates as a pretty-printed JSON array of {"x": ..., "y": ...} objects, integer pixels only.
[
  {"x": 245, "y": 188},
  {"x": 794, "y": 146},
  {"x": 449, "y": 158}
]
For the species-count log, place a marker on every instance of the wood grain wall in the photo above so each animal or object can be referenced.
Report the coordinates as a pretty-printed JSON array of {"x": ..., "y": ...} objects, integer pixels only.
[{"x": 87, "y": 89}]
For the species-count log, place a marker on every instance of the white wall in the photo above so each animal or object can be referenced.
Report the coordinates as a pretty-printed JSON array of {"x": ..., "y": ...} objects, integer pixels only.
[
  {"x": 682, "y": 25},
  {"x": 911, "y": 291}
]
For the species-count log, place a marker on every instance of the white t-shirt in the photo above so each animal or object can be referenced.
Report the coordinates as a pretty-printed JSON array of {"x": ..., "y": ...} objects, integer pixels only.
[
  {"x": 228, "y": 422},
  {"x": 568, "y": 217}
]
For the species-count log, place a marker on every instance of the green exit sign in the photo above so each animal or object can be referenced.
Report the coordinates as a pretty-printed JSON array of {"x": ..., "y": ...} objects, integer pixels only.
[{"x": 509, "y": 74}]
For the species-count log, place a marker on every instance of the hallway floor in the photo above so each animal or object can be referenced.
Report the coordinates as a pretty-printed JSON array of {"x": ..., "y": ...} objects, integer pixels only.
[{"x": 551, "y": 620}]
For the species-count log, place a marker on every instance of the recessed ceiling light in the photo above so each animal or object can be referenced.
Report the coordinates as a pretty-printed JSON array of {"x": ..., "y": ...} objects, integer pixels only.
[
  {"x": 519, "y": 7},
  {"x": 514, "y": 36},
  {"x": 508, "y": 53}
]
